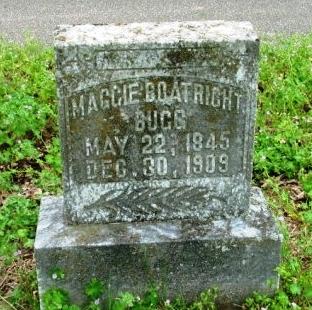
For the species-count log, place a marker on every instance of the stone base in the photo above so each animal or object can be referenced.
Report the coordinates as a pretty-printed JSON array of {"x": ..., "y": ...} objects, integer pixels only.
[{"x": 238, "y": 255}]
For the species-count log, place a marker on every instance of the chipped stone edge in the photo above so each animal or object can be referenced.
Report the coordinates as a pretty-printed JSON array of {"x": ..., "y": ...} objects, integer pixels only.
[{"x": 83, "y": 36}]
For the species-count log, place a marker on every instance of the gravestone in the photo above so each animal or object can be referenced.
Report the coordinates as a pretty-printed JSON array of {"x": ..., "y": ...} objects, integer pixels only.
[{"x": 157, "y": 124}]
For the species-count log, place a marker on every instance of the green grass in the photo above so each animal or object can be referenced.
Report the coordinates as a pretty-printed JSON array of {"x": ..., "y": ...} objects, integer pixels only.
[
  {"x": 28, "y": 114},
  {"x": 284, "y": 121},
  {"x": 58, "y": 299},
  {"x": 30, "y": 165},
  {"x": 29, "y": 162}
]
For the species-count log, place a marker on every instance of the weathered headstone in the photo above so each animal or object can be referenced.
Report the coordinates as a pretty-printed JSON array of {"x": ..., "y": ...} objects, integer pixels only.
[
  {"x": 157, "y": 120},
  {"x": 157, "y": 125}
]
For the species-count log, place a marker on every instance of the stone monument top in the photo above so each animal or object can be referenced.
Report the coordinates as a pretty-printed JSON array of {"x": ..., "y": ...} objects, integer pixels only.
[
  {"x": 154, "y": 33},
  {"x": 156, "y": 120}
]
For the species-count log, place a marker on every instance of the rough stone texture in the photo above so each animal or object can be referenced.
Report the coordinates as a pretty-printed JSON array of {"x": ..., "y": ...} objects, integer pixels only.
[
  {"x": 157, "y": 120},
  {"x": 237, "y": 255}
]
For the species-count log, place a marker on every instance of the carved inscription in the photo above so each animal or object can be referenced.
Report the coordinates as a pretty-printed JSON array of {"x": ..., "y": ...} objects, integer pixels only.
[
  {"x": 119, "y": 95},
  {"x": 156, "y": 128}
]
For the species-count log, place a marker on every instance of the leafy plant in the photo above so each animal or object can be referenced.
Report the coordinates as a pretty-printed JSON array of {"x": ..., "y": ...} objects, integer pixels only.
[
  {"x": 124, "y": 301},
  {"x": 94, "y": 289},
  {"x": 49, "y": 177},
  {"x": 259, "y": 302},
  {"x": 57, "y": 299},
  {"x": 57, "y": 274},
  {"x": 206, "y": 301},
  {"x": 18, "y": 219}
]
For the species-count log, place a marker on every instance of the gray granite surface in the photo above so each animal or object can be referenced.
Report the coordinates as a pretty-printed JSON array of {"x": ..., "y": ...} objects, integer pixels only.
[
  {"x": 157, "y": 120},
  {"x": 238, "y": 255}
]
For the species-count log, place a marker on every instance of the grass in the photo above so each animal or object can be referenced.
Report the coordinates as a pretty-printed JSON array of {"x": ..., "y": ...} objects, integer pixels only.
[{"x": 30, "y": 166}]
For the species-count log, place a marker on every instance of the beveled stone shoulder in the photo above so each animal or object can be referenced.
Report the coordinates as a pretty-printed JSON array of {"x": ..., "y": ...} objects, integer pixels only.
[{"x": 158, "y": 33}]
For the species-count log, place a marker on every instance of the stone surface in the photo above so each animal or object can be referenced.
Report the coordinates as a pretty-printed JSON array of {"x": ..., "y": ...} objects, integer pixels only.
[
  {"x": 237, "y": 255},
  {"x": 157, "y": 120}
]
